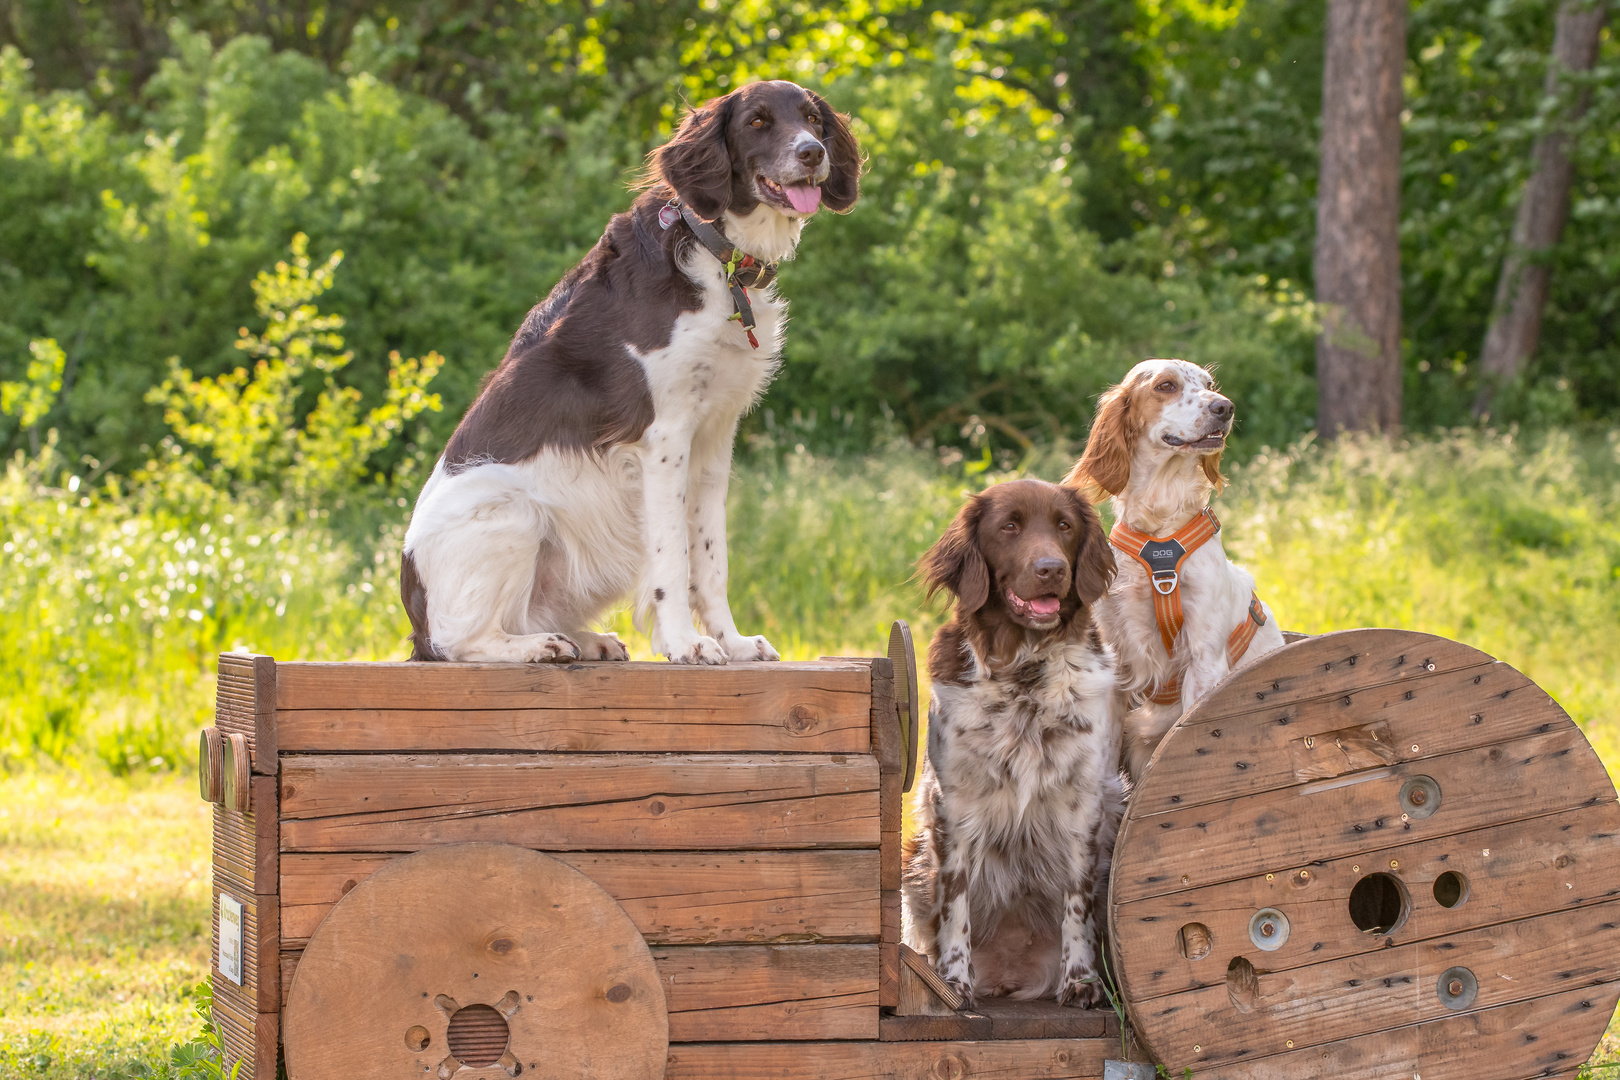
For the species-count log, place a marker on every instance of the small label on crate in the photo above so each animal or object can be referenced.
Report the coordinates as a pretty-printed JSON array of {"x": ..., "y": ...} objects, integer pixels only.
[{"x": 230, "y": 938}]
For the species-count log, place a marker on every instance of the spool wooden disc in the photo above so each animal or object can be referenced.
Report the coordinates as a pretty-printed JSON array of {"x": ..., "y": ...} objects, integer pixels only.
[
  {"x": 479, "y": 962},
  {"x": 903, "y": 655},
  {"x": 1374, "y": 853}
]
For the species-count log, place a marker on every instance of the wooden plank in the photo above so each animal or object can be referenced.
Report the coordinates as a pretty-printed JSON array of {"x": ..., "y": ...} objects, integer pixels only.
[
  {"x": 246, "y": 845},
  {"x": 1336, "y": 663},
  {"x": 751, "y": 992},
  {"x": 1542, "y": 1038},
  {"x": 1276, "y": 831},
  {"x": 999, "y": 1018},
  {"x": 1386, "y": 988},
  {"x": 245, "y": 704},
  {"x": 579, "y": 802},
  {"x": 689, "y": 695},
  {"x": 1442, "y": 712},
  {"x": 248, "y": 1038},
  {"x": 1049, "y": 1059},
  {"x": 1535, "y": 867},
  {"x": 676, "y": 898},
  {"x": 884, "y": 717},
  {"x": 754, "y": 992},
  {"x": 260, "y": 989}
]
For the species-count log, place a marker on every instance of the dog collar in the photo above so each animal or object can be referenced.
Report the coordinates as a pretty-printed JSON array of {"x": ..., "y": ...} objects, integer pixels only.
[
  {"x": 1162, "y": 557},
  {"x": 742, "y": 270}
]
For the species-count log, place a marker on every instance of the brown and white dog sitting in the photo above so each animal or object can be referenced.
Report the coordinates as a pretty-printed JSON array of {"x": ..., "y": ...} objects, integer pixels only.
[
  {"x": 594, "y": 462},
  {"x": 1180, "y": 615},
  {"x": 1021, "y": 795}
]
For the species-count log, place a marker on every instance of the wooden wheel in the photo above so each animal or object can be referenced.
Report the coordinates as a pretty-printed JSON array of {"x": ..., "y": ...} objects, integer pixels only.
[
  {"x": 479, "y": 962},
  {"x": 1374, "y": 853}
]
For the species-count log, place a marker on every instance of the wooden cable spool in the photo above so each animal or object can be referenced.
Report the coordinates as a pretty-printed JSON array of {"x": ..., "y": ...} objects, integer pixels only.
[
  {"x": 480, "y": 962},
  {"x": 1374, "y": 853}
]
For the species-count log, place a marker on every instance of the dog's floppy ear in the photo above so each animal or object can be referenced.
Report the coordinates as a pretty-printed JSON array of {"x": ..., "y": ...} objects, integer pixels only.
[
  {"x": 956, "y": 564},
  {"x": 1105, "y": 467},
  {"x": 1212, "y": 471},
  {"x": 843, "y": 184},
  {"x": 696, "y": 162},
  {"x": 1094, "y": 566}
]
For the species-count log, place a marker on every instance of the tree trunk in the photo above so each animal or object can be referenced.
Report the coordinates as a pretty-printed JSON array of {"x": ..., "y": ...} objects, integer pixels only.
[
  {"x": 1521, "y": 293},
  {"x": 1358, "y": 257}
]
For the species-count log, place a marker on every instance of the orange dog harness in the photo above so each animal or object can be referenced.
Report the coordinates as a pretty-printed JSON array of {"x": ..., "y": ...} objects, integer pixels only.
[{"x": 1162, "y": 557}]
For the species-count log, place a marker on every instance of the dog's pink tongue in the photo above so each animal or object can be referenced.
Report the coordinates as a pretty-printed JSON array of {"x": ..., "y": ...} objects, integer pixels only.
[
  {"x": 804, "y": 197},
  {"x": 1045, "y": 605}
]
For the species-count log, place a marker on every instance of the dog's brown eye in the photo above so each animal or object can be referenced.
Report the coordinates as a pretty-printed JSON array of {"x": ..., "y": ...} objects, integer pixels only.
[
  {"x": 1011, "y": 526},
  {"x": 1064, "y": 526},
  {"x": 814, "y": 119},
  {"x": 758, "y": 122},
  {"x": 1166, "y": 386}
]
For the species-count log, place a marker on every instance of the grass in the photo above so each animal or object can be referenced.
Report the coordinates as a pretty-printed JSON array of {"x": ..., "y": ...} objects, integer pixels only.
[{"x": 1511, "y": 545}]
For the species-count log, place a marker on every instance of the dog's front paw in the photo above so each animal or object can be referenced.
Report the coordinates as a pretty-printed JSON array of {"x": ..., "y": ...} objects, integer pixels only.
[
  {"x": 549, "y": 649},
  {"x": 964, "y": 990},
  {"x": 602, "y": 647},
  {"x": 699, "y": 650},
  {"x": 744, "y": 650},
  {"x": 1083, "y": 992}
]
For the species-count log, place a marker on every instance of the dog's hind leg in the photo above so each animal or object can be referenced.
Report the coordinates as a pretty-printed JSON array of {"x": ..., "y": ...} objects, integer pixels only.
[{"x": 476, "y": 540}]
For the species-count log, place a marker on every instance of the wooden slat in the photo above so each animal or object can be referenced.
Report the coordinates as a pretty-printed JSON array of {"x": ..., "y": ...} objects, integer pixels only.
[
  {"x": 1534, "y": 867},
  {"x": 1550, "y": 1036},
  {"x": 1049, "y": 1059},
  {"x": 677, "y": 898},
  {"x": 1442, "y": 713},
  {"x": 891, "y": 810},
  {"x": 747, "y": 992},
  {"x": 1335, "y": 663},
  {"x": 248, "y": 1038},
  {"x": 999, "y": 1018},
  {"x": 753, "y": 992},
  {"x": 1276, "y": 831},
  {"x": 572, "y": 802},
  {"x": 245, "y": 704},
  {"x": 1386, "y": 988},
  {"x": 687, "y": 695},
  {"x": 260, "y": 991},
  {"x": 245, "y": 845}
]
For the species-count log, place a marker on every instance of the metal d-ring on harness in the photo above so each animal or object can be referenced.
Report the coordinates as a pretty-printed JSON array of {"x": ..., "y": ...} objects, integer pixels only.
[
  {"x": 742, "y": 270},
  {"x": 1162, "y": 557}
]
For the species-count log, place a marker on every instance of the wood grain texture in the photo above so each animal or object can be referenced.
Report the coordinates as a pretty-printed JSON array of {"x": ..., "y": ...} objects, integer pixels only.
[
  {"x": 998, "y": 1018},
  {"x": 1387, "y": 988},
  {"x": 245, "y": 704},
  {"x": 1222, "y": 826},
  {"x": 260, "y": 991},
  {"x": 245, "y": 845},
  {"x": 692, "y": 695},
  {"x": 484, "y": 924},
  {"x": 578, "y": 802},
  {"x": 1441, "y": 712},
  {"x": 1049, "y": 1059},
  {"x": 755, "y": 992},
  {"x": 1535, "y": 867},
  {"x": 676, "y": 898},
  {"x": 1544, "y": 1038},
  {"x": 1279, "y": 830},
  {"x": 249, "y": 1038}
]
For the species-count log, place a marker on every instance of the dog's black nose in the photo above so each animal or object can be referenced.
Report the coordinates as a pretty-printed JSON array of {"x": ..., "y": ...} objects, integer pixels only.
[
  {"x": 811, "y": 154},
  {"x": 1048, "y": 567},
  {"x": 1220, "y": 409}
]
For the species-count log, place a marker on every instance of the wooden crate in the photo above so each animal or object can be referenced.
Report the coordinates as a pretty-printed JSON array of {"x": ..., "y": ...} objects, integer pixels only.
[
  {"x": 746, "y": 818},
  {"x": 1373, "y": 853}
]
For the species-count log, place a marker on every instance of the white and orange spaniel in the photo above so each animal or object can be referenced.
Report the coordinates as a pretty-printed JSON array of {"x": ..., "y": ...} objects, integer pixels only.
[{"x": 1180, "y": 615}]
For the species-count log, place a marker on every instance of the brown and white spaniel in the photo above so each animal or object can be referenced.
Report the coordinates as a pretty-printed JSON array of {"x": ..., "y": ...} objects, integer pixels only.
[
  {"x": 594, "y": 462},
  {"x": 1156, "y": 446},
  {"x": 1021, "y": 795}
]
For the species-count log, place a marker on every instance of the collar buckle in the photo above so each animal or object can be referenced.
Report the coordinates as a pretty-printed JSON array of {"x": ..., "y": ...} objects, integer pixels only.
[{"x": 1165, "y": 581}]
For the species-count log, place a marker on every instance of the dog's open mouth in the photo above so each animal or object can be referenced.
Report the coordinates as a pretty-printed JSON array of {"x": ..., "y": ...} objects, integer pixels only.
[
  {"x": 1213, "y": 441},
  {"x": 1039, "y": 609},
  {"x": 799, "y": 198}
]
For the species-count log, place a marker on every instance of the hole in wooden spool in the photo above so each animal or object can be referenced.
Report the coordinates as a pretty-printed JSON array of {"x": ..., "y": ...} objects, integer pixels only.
[
  {"x": 1450, "y": 889},
  {"x": 1193, "y": 941},
  {"x": 1242, "y": 984},
  {"x": 1378, "y": 904},
  {"x": 477, "y": 1036},
  {"x": 417, "y": 1038}
]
